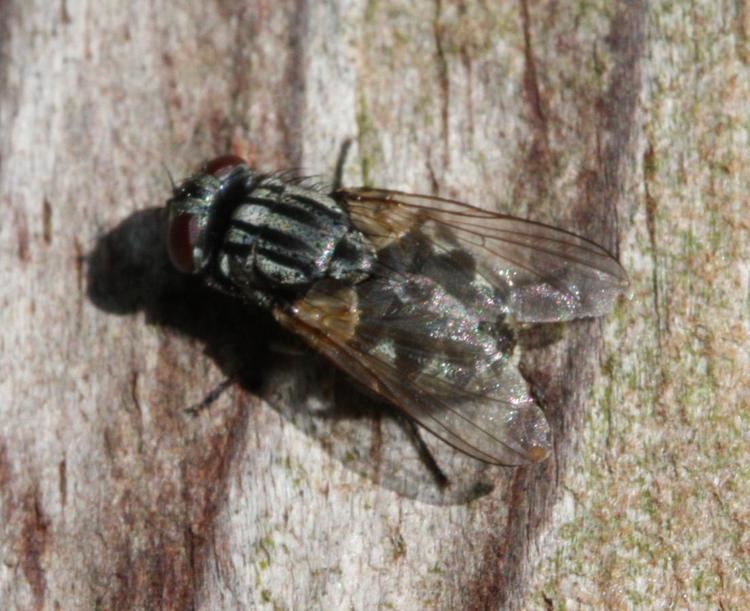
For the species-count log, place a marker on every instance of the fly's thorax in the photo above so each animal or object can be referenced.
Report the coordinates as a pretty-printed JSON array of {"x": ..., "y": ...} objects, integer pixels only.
[{"x": 282, "y": 238}]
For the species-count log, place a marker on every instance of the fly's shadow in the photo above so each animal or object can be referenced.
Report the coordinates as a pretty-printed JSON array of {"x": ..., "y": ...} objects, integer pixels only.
[{"x": 129, "y": 271}]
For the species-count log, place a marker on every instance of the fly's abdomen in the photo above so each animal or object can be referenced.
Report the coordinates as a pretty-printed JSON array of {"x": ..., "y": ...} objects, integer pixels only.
[{"x": 285, "y": 237}]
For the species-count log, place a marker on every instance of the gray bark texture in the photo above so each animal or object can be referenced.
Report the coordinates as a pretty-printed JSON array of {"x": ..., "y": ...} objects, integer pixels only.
[{"x": 624, "y": 121}]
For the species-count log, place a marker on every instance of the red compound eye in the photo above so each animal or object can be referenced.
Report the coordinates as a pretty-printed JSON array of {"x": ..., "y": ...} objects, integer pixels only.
[
  {"x": 183, "y": 229},
  {"x": 222, "y": 165}
]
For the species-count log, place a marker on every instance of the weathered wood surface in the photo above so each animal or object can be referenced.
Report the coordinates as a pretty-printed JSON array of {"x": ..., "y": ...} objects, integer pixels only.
[{"x": 625, "y": 121}]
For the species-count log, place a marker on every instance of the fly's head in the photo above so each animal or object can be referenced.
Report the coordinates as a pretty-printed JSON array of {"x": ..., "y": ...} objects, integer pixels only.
[{"x": 199, "y": 209}]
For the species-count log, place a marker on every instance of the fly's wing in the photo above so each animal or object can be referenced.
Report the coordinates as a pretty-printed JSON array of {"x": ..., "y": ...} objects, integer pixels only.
[
  {"x": 543, "y": 274},
  {"x": 427, "y": 330},
  {"x": 420, "y": 348}
]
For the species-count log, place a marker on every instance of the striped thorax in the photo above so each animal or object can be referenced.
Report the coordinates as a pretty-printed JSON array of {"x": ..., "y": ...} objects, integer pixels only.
[{"x": 262, "y": 236}]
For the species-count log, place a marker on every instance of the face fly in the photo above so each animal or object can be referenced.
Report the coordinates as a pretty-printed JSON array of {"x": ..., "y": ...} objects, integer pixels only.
[{"x": 414, "y": 296}]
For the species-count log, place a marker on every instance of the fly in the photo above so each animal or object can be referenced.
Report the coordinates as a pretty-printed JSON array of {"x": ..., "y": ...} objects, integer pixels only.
[{"x": 414, "y": 296}]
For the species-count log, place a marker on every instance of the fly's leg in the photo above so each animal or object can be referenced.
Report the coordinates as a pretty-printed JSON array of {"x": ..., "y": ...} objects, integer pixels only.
[
  {"x": 441, "y": 479},
  {"x": 339, "y": 171},
  {"x": 206, "y": 402}
]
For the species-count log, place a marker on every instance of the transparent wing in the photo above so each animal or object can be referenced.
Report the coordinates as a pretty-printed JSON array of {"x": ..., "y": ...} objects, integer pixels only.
[
  {"x": 542, "y": 274},
  {"x": 409, "y": 341}
]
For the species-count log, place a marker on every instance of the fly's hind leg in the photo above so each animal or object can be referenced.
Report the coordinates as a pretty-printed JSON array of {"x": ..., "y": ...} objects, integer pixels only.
[{"x": 411, "y": 427}]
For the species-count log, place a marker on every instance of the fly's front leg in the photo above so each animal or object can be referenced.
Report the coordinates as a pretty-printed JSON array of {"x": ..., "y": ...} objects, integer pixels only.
[{"x": 197, "y": 408}]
